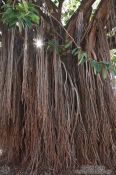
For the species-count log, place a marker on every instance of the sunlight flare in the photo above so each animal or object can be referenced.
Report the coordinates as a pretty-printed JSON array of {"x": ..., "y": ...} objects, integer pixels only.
[{"x": 38, "y": 42}]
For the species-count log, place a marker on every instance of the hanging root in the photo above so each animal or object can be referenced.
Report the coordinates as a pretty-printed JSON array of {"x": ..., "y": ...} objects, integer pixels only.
[{"x": 54, "y": 115}]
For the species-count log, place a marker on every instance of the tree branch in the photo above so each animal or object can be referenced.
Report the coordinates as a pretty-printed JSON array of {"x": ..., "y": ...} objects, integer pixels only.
[
  {"x": 51, "y": 5},
  {"x": 84, "y": 7},
  {"x": 102, "y": 11},
  {"x": 43, "y": 15},
  {"x": 60, "y": 9},
  {"x": 99, "y": 20},
  {"x": 60, "y": 4}
]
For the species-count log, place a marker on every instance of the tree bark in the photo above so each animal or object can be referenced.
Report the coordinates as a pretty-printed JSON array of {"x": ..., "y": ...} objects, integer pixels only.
[{"x": 55, "y": 114}]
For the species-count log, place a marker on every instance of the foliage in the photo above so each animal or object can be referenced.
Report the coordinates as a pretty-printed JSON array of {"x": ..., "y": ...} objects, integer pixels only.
[
  {"x": 56, "y": 2},
  {"x": 22, "y": 14},
  {"x": 69, "y": 8},
  {"x": 99, "y": 67},
  {"x": 112, "y": 32},
  {"x": 53, "y": 45}
]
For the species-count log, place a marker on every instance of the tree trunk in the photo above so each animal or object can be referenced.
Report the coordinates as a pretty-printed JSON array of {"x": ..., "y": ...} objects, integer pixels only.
[{"x": 56, "y": 114}]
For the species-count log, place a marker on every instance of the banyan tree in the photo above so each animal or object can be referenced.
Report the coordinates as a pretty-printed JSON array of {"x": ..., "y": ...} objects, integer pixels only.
[{"x": 57, "y": 108}]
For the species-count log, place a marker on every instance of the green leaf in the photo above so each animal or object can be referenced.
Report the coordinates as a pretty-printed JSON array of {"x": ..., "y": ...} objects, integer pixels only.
[
  {"x": 34, "y": 18},
  {"x": 23, "y": 13},
  {"x": 27, "y": 22},
  {"x": 75, "y": 51},
  {"x": 97, "y": 66},
  {"x": 20, "y": 7},
  {"x": 83, "y": 58},
  {"x": 32, "y": 8},
  {"x": 25, "y": 5},
  {"x": 114, "y": 59},
  {"x": 106, "y": 64},
  {"x": 114, "y": 72},
  {"x": 113, "y": 69},
  {"x": 68, "y": 45},
  {"x": 104, "y": 73}
]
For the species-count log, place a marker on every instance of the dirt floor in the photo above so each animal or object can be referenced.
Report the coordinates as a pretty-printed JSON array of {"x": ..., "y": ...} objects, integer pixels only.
[{"x": 7, "y": 170}]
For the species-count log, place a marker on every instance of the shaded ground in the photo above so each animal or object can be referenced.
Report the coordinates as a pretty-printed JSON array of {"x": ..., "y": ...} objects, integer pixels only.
[{"x": 7, "y": 170}]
